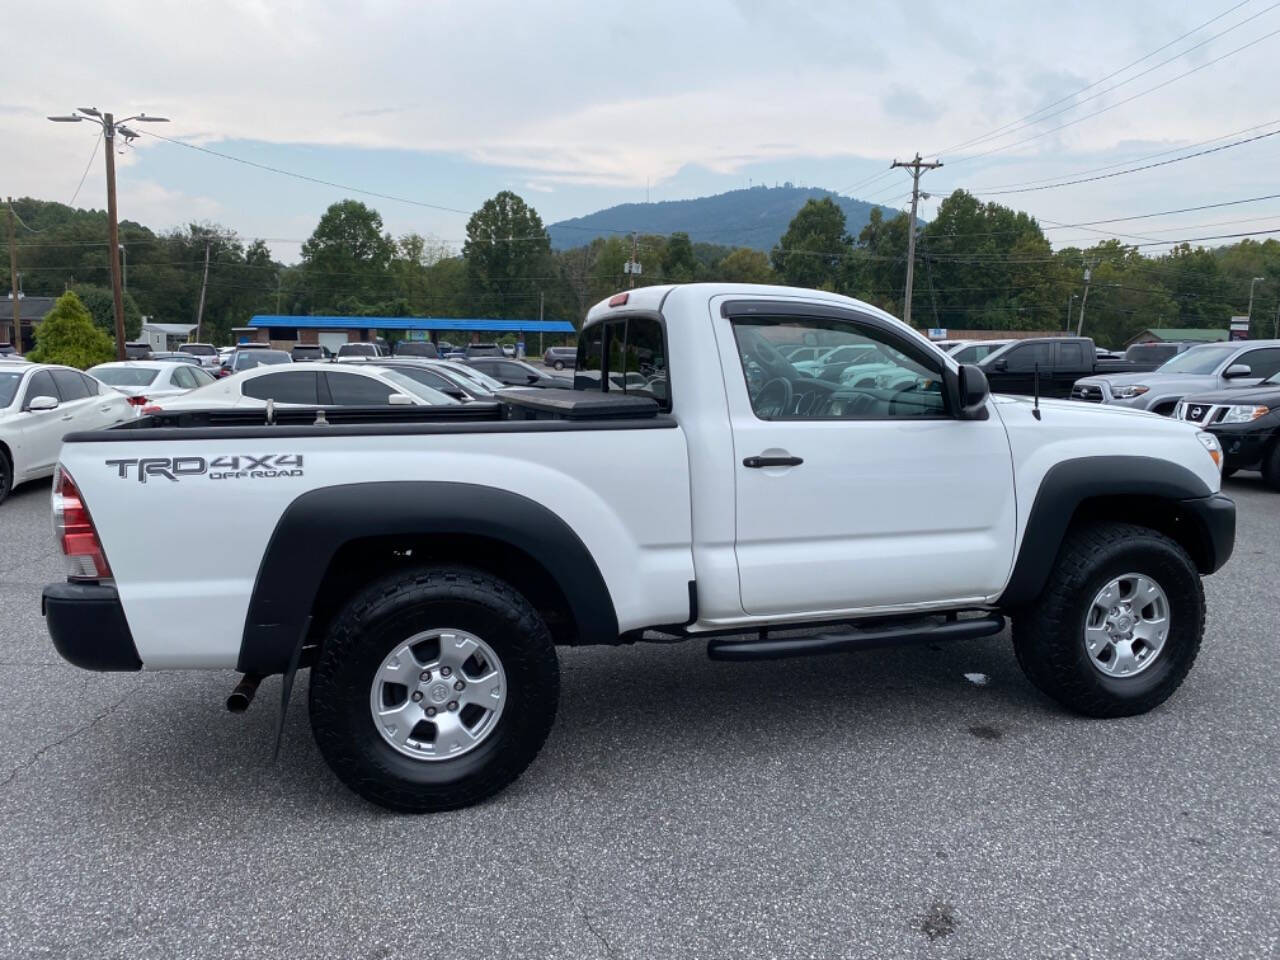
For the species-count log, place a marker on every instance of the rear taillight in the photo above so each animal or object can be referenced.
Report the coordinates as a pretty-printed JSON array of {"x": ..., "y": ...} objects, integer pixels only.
[
  {"x": 152, "y": 408},
  {"x": 137, "y": 401},
  {"x": 74, "y": 531}
]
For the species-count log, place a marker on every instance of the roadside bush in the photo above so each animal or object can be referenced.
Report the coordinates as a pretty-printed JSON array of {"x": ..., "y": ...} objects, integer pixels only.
[{"x": 68, "y": 335}]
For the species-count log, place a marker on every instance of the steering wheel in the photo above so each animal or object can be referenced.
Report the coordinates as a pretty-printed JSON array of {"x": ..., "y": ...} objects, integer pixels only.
[
  {"x": 767, "y": 407},
  {"x": 857, "y": 404}
]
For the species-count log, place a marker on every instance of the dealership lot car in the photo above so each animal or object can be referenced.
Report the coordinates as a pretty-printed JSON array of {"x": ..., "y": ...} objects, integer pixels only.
[
  {"x": 1200, "y": 369},
  {"x": 39, "y": 405},
  {"x": 144, "y": 381},
  {"x": 307, "y": 384},
  {"x": 1246, "y": 421},
  {"x": 432, "y": 560}
]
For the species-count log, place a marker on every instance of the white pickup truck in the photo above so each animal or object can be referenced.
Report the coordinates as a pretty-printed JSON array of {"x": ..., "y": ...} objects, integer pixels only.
[{"x": 426, "y": 562}]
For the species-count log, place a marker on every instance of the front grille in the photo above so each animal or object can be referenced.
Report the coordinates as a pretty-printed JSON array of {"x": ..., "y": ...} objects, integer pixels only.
[
  {"x": 1202, "y": 413},
  {"x": 1086, "y": 392}
]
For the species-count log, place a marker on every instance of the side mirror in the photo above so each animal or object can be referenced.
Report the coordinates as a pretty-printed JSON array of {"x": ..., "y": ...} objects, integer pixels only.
[
  {"x": 400, "y": 400},
  {"x": 532, "y": 378},
  {"x": 1236, "y": 371},
  {"x": 41, "y": 403},
  {"x": 973, "y": 392},
  {"x": 1001, "y": 365}
]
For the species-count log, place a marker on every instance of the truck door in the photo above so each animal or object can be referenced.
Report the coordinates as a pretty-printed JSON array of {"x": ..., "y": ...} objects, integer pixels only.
[
  {"x": 1075, "y": 359},
  {"x": 861, "y": 496}
]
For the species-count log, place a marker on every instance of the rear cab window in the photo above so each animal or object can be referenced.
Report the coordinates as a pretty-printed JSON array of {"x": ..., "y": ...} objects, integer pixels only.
[{"x": 625, "y": 354}]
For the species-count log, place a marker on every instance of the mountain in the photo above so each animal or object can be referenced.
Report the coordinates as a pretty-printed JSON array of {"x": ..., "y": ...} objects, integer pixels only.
[{"x": 755, "y": 217}]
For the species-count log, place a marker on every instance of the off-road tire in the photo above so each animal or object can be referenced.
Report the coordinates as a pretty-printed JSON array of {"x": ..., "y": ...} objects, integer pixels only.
[
  {"x": 1048, "y": 635},
  {"x": 385, "y": 614}
]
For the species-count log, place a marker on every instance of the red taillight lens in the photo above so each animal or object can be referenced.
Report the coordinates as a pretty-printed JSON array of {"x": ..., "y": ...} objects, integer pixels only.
[
  {"x": 137, "y": 401},
  {"x": 152, "y": 408},
  {"x": 74, "y": 531}
]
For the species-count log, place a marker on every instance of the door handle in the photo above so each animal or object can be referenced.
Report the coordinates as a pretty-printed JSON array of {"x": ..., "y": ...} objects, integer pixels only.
[
  {"x": 772, "y": 462},
  {"x": 67, "y": 417}
]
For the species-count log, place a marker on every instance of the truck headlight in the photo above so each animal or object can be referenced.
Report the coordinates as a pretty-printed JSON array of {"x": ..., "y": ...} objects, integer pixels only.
[
  {"x": 1212, "y": 445},
  {"x": 1243, "y": 413},
  {"x": 1129, "y": 392}
]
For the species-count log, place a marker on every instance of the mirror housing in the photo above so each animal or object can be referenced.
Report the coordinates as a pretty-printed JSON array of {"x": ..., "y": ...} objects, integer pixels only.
[
  {"x": 1001, "y": 365},
  {"x": 400, "y": 400},
  {"x": 41, "y": 403},
  {"x": 971, "y": 393},
  {"x": 1236, "y": 371},
  {"x": 532, "y": 378}
]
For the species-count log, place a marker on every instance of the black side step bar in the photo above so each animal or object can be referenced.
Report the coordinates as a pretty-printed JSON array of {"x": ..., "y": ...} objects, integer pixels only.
[{"x": 769, "y": 649}]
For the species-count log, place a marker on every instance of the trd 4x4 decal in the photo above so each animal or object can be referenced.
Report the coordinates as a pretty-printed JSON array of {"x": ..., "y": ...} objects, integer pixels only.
[{"x": 238, "y": 467}]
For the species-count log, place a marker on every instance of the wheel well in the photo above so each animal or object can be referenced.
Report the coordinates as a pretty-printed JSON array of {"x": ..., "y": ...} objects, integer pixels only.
[
  {"x": 1163, "y": 515},
  {"x": 359, "y": 562}
]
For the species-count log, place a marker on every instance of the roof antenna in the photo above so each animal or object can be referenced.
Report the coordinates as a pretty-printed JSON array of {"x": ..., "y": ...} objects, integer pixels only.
[{"x": 1035, "y": 409}]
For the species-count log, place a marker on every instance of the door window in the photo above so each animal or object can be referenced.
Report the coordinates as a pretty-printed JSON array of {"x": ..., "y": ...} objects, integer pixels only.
[
  {"x": 351, "y": 389},
  {"x": 182, "y": 377},
  {"x": 884, "y": 378},
  {"x": 1262, "y": 363},
  {"x": 70, "y": 385},
  {"x": 294, "y": 386},
  {"x": 1026, "y": 356},
  {"x": 40, "y": 385},
  {"x": 1072, "y": 356},
  {"x": 90, "y": 384}
]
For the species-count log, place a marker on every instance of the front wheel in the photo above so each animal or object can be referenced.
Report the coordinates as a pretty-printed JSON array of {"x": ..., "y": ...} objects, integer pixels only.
[
  {"x": 1118, "y": 625},
  {"x": 435, "y": 688}
]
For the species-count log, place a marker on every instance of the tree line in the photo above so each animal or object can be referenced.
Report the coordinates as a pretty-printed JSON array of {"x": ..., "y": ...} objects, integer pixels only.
[{"x": 979, "y": 266}]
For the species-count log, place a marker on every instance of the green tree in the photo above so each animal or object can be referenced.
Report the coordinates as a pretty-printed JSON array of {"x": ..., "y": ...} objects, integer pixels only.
[
  {"x": 508, "y": 253},
  {"x": 745, "y": 265},
  {"x": 102, "y": 307},
  {"x": 812, "y": 251},
  {"x": 69, "y": 336},
  {"x": 678, "y": 262},
  {"x": 348, "y": 255}
]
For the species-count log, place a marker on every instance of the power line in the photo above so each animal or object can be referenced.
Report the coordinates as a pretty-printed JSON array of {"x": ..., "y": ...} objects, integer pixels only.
[
  {"x": 1119, "y": 103},
  {"x": 1119, "y": 173},
  {"x": 1022, "y": 122},
  {"x": 96, "y": 142}
]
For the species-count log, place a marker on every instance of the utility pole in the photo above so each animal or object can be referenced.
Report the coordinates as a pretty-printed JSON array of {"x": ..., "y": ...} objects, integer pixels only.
[
  {"x": 917, "y": 167},
  {"x": 633, "y": 264},
  {"x": 107, "y": 122},
  {"x": 13, "y": 281},
  {"x": 1088, "y": 271},
  {"x": 203, "y": 283},
  {"x": 1252, "y": 283}
]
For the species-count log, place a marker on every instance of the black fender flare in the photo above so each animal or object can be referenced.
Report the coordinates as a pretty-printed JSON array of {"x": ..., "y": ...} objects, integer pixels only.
[
  {"x": 317, "y": 524},
  {"x": 1068, "y": 484}
]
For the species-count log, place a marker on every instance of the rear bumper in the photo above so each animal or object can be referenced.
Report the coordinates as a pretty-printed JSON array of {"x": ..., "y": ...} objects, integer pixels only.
[
  {"x": 88, "y": 627},
  {"x": 1216, "y": 517}
]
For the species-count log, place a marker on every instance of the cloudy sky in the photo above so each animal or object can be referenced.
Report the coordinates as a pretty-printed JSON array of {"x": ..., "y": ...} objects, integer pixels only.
[{"x": 581, "y": 104}]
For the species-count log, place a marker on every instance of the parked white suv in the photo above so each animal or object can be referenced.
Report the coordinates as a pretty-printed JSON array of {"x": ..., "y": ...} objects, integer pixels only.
[{"x": 41, "y": 403}]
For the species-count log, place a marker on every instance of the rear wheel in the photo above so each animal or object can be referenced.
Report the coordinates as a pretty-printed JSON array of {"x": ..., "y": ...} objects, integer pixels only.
[
  {"x": 435, "y": 688},
  {"x": 559, "y": 365},
  {"x": 1119, "y": 624}
]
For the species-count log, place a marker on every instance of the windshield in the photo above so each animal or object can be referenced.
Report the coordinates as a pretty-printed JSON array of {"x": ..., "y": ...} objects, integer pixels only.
[
  {"x": 8, "y": 387},
  {"x": 125, "y": 376},
  {"x": 471, "y": 373},
  {"x": 414, "y": 389},
  {"x": 254, "y": 358},
  {"x": 1198, "y": 360}
]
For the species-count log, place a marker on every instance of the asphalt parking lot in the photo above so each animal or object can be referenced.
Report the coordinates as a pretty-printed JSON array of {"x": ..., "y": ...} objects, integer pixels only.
[{"x": 924, "y": 802}]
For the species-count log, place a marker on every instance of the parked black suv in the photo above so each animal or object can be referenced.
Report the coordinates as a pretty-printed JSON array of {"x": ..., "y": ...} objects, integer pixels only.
[
  {"x": 1246, "y": 421},
  {"x": 310, "y": 352}
]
